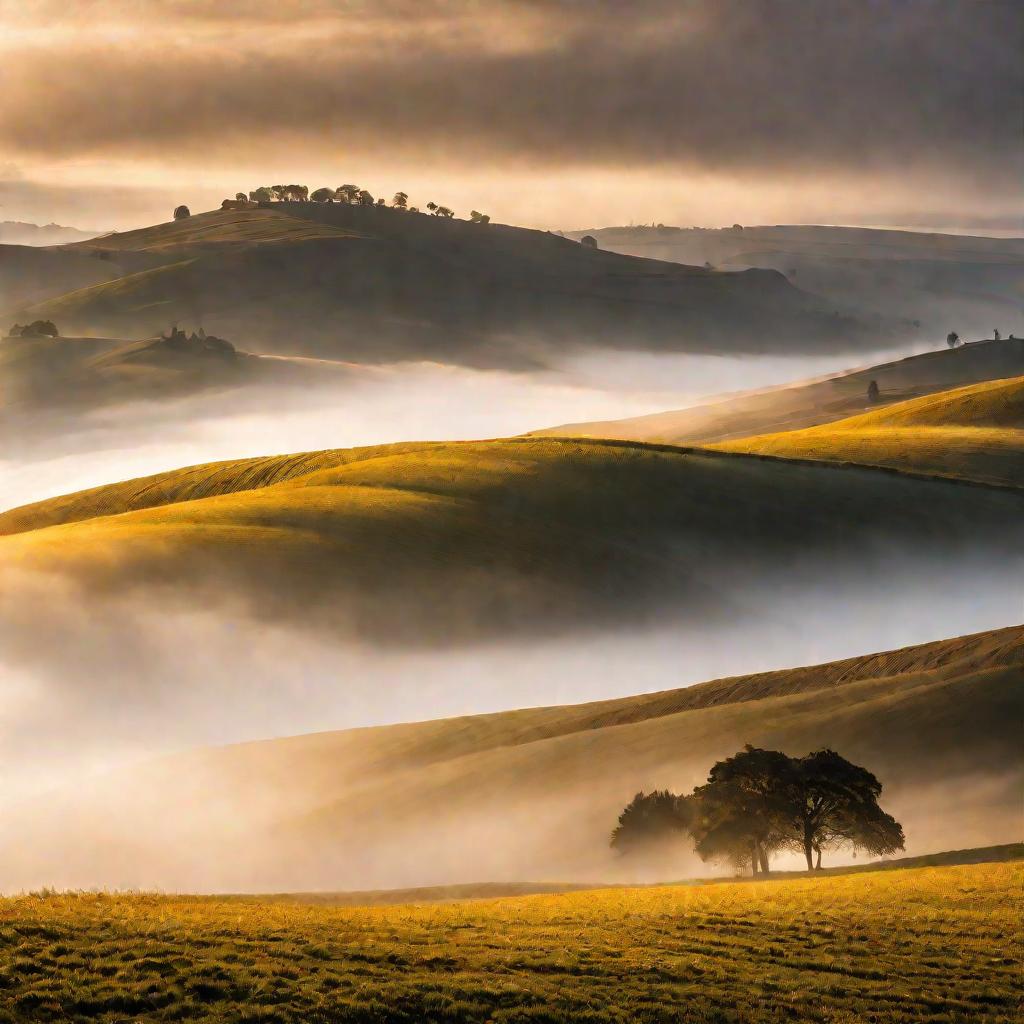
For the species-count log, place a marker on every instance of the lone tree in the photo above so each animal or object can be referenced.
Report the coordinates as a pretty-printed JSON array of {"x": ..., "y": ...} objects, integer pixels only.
[
  {"x": 589, "y": 241},
  {"x": 650, "y": 820},
  {"x": 952, "y": 339},
  {"x": 873, "y": 392},
  {"x": 400, "y": 200},
  {"x": 181, "y": 212}
]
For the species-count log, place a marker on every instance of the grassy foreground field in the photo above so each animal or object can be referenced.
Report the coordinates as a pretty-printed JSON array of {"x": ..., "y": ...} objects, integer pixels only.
[
  {"x": 974, "y": 432},
  {"x": 932, "y": 944}
]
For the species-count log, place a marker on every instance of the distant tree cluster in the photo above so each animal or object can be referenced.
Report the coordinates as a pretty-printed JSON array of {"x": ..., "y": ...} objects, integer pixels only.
[
  {"x": 348, "y": 195},
  {"x": 761, "y": 802},
  {"x": 36, "y": 329}
]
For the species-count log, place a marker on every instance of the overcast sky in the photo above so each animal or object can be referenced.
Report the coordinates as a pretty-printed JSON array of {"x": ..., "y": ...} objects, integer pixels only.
[{"x": 554, "y": 113}]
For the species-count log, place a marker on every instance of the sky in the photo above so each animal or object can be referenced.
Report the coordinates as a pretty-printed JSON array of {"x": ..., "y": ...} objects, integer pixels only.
[{"x": 549, "y": 113}]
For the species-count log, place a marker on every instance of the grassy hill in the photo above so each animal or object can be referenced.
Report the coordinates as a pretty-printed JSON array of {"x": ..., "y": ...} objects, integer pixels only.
[
  {"x": 940, "y": 281},
  {"x": 975, "y": 433},
  {"x": 809, "y": 403},
  {"x": 375, "y": 285},
  {"x": 66, "y": 374},
  {"x": 429, "y": 542},
  {"x": 924, "y": 945},
  {"x": 534, "y": 793}
]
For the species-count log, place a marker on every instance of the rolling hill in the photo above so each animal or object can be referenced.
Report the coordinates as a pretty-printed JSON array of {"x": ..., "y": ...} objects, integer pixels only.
[
  {"x": 813, "y": 402},
  {"x": 378, "y": 285},
  {"x": 65, "y": 375},
  {"x": 975, "y": 433},
  {"x": 941, "y": 281},
  {"x": 431, "y": 543},
  {"x": 533, "y": 793}
]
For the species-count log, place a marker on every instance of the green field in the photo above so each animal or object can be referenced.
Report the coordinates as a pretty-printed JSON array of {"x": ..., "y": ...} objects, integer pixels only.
[
  {"x": 906, "y": 947},
  {"x": 974, "y": 433}
]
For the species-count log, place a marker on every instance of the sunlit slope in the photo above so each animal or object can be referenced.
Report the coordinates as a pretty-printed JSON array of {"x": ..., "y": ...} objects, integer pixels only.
[
  {"x": 459, "y": 539},
  {"x": 375, "y": 284},
  {"x": 809, "y": 403},
  {"x": 534, "y": 793},
  {"x": 927, "y": 945},
  {"x": 975, "y": 433}
]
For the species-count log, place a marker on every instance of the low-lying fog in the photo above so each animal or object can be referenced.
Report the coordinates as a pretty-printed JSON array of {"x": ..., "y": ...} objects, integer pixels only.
[
  {"x": 411, "y": 402},
  {"x": 91, "y": 687}
]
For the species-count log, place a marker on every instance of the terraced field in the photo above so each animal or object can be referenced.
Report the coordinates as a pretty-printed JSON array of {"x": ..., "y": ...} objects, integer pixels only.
[
  {"x": 899, "y": 947},
  {"x": 974, "y": 433}
]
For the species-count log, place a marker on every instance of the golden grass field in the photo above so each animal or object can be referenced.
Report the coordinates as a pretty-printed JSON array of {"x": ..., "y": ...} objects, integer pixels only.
[
  {"x": 975, "y": 433},
  {"x": 523, "y": 532},
  {"x": 911, "y": 946}
]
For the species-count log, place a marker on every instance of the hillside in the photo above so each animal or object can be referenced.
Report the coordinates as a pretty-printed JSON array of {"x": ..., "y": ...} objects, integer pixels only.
[
  {"x": 941, "y": 281},
  {"x": 65, "y": 375},
  {"x": 534, "y": 793},
  {"x": 813, "y": 402},
  {"x": 378, "y": 285},
  {"x": 975, "y": 432},
  {"x": 433, "y": 542}
]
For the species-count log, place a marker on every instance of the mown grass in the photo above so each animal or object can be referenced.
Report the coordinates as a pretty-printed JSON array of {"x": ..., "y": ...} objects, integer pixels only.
[
  {"x": 922, "y": 945},
  {"x": 974, "y": 433}
]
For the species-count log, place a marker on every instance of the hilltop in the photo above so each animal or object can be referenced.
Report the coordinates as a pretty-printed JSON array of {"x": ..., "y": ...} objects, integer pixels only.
[
  {"x": 974, "y": 432},
  {"x": 533, "y": 793},
  {"x": 809, "y": 403},
  {"x": 430, "y": 542},
  {"x": 15, "y": 232},
  {"x": 375, "y": 284},
  {"x": 938, "y": 281}
]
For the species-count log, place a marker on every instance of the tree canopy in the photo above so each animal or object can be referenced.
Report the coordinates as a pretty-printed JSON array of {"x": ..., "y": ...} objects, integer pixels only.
[{"x": 759, "y": 802}]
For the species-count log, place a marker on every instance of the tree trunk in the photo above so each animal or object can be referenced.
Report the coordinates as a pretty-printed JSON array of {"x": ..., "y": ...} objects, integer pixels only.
[
  {"x": 753, "y": 859},
  {"x": 809, "y": 847},
  {"x": 763, "y": 858},
  {"x": 817, "y": 867}
]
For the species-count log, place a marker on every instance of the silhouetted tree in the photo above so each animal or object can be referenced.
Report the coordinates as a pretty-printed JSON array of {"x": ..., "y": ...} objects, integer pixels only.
[
  {"x": 432, "y": 207},
  {"x": 348, "y": 194},
  {"x": 364, "y": 198},
  {"x": 649, "y": 820},
  {"x": 381, "y": 201},
  {"x": 589, "y": 241},
  {"x": 834, "y": 803},
  {"x": 476, "y": 217},
  {"x": 996, "y": 336},
  {"x": 261, "y": 195},
  {"x": 444, "y": 211},
  {"x": 873, "y": 393},
  {"x": 414, "y": 209},
  {"x": 400, "y": 200},
  {"x": 181, "y": 212},
  {"x": 36, "y": 329},
  {"x": 241, "y": 197},
  {"x": 742, "y": 811},
  {"x": 323, "y": 195}
]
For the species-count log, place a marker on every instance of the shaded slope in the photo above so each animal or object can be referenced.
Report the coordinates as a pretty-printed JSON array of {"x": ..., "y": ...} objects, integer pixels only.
[
  {"x": 375, "y": 284},
  {"x": 534, "y": 793},
  {"x": 975, "y": 433},
  {"x": 438, "y": 541},
  {"x": 809, "y": 403}
]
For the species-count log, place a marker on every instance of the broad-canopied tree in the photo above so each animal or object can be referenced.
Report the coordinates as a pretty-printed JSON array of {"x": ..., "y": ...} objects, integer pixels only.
[
  {"x": 400, "y": 200},
  {"x": 323, "y": 195}
]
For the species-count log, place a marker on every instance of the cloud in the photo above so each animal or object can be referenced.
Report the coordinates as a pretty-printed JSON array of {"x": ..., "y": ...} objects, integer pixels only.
[{"x": 792, "y": 87}]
